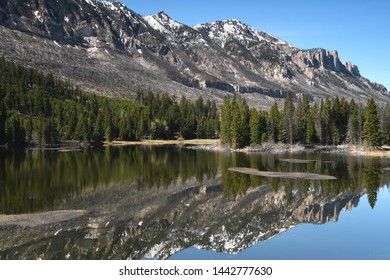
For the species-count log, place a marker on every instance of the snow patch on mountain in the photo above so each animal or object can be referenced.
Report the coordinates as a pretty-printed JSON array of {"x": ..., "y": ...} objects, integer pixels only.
[
  {"x": 90, "y": 2},
  {"x": 38, "y": 16},
  {"x": 232, "y": 29},
  {"x": 163, "y": 23},
  {"x": 111, "y": 6},
  {"x": 155, "y": 24}
]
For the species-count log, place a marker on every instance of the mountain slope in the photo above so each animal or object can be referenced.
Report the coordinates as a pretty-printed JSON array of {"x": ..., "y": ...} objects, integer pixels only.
[{"x": 111, "y": 50}]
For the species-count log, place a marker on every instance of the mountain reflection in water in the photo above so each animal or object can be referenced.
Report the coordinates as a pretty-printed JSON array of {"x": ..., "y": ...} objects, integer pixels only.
[{"x": 152, "y": 202}]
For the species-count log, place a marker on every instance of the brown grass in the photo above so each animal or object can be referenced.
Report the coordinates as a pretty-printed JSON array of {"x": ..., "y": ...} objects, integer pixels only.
[
  {"x": 164, "y": 142},
  {"x": 297, "y": 160}
]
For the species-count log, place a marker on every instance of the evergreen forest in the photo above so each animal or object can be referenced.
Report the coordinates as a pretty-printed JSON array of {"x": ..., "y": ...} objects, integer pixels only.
[
  {"x": 331, "y": 122},
  {"x": 43, "y": 109},
  {"x": 40, "y": 108}
]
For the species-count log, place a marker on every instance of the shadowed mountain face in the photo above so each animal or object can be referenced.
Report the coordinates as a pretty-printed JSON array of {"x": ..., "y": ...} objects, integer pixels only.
[{"x": 111, "y": 50}]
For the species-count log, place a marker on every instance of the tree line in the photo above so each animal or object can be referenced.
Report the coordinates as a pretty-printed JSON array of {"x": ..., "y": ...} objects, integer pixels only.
[
  {"x": 331, "y": 122},
  {"x": 40, "y": 108}
]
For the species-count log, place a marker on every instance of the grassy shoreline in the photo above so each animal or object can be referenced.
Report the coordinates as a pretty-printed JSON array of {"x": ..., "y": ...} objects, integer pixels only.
[
  {"x": 215, "y": 145},
  {"x": 163, "y": 142}
]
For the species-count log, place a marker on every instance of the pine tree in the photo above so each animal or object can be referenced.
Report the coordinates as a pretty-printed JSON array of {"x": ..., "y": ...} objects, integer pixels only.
[
  {"x": 353, "y": 123},
  {"x": 226, "y": 120},
  {"x": 273, "y": 123},
  {"x": 287, "y": 124},
  {"x": 3, "y": 117},
  {"x": 80, "y": 131},
  {"x": 108, "y": 124},
  {"x": 235, "y": 128},
  {"x": 326, "y": 122},
  {"x": 254, "y": 126},
  {"x": 98, "y": 132},
  {"x": 240, "y": 134},
  {"x": 300, "y": 122},
  {"x": 385, "y": 124},
  {"x": 371, "y": 125},
  {"x": 15, "y": 133},
  {"x": 311, "y": 134},
  {"x": 245, "y": 116}
]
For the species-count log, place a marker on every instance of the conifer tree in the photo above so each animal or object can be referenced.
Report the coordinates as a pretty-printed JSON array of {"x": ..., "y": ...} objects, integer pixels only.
[
  {"x": 311, "y": 134},
  {"x": 385, "y": 124},
  {"x": 98, "y": 132},
  {"x": 326, "y": 121},
  {"x": 371, "y": 125},
  {"x": 287, "y": 123},
  {"x": 240, "y": 134},
  {"x": 226, "y": 119},
  {"x": 254, "y": 126},
  {"x": 3, "y": 116},
  {"x": 273, "y": 123},
  {"x": 352, "y": 134}
]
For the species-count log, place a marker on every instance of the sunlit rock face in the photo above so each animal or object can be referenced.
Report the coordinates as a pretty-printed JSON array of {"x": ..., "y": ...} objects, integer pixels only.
[{"x": 111, "y": 50}]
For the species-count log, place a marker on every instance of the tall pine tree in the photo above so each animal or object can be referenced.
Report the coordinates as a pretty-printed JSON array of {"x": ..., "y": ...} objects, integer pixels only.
[
  {"x": 371, "y": 125},
  {"x": 287, "y": 124}
]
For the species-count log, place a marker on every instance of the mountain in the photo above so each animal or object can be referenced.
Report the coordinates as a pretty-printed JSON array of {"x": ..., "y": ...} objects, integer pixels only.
[{"x": 111, "y": 50}]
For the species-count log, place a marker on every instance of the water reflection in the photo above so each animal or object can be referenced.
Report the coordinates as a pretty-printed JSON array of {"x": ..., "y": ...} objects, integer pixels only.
[
  {"x": 151, "y": 202},
  {"x": 351, "y": 173},
  {"x": 39, "y": 180}
]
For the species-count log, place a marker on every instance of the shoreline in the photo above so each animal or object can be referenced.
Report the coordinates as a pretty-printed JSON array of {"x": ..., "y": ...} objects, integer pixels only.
[
  {"x": 162, "y": 142},
  {"x": 215, "y": 145},
  {"x": 281, "y": 148}
]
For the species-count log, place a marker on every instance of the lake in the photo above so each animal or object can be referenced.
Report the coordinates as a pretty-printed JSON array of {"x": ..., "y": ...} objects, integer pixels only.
[{"x": 169, "y": 202}]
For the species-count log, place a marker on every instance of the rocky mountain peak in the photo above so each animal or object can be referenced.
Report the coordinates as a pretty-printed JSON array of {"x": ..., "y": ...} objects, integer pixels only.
[
  {"x": 163, "y": 23},
  {"x": 233, "y": 29}
]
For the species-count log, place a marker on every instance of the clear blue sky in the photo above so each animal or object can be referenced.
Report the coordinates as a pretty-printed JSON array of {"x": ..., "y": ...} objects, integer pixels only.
[{"x": 359, "y": 30}]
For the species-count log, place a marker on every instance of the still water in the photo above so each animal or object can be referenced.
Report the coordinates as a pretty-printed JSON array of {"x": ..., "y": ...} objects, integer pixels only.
[{"x": 181, "y": 203}]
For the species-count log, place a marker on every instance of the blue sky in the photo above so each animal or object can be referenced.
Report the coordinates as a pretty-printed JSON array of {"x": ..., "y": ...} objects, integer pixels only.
[{"x": 358, "y": 30}]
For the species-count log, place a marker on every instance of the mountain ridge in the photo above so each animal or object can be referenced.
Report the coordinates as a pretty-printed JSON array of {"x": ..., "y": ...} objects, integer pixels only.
[{"x": 111, "y": 50}]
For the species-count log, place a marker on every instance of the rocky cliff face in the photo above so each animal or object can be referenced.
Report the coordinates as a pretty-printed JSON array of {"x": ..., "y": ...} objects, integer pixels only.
[
  {"x": 111, "y": 50},
  {"x": 323, "y": 59}
]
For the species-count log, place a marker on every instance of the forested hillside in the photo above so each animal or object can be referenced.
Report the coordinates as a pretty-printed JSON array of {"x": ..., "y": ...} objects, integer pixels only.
[
  {"x": 331, "y": 122},
  {"x": 43, "y": 109}
]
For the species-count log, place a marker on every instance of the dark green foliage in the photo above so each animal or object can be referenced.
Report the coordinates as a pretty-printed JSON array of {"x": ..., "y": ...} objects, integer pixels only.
[
  {"x": 372, "y": 178},
  {"x": 240, "y": 123},
  {"x": 371, "y": 125},
  {"x": 273, "y": 123},
  {"x": 301, "y": 119},
  {"x": 287, "y": 125},
  {"x": 254, "y": 126},
  {"x": 326, "y": 121},
  {"x": 311, "y": 134},
  {"x": 258, "y": 127},
  {"x": 226, "y": 120},
  {"x": 385, "y": 123},
  {"x": 355, "y": 122},
  {"x": 41, "y": 108},
  {"x": 3, "y": 117},
  {"x": 332, "y": 122}
]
